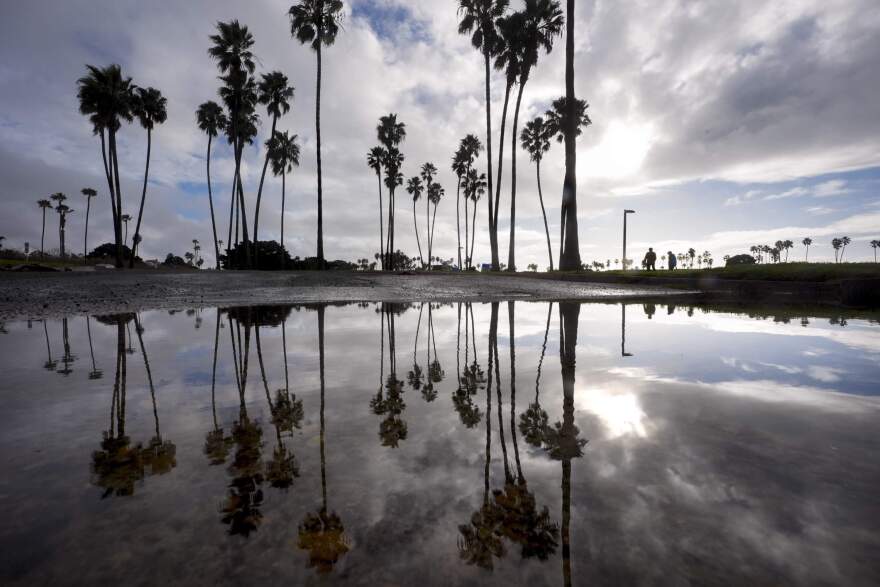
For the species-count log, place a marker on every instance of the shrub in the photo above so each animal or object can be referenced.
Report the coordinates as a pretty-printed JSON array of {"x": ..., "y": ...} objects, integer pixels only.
[{"x": 740, "y": 260}]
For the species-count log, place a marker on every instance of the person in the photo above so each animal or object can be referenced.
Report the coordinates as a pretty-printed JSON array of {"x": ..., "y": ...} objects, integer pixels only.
[
  {"x": 650, "y": 259},
  {"x": 673, "y": 262}
]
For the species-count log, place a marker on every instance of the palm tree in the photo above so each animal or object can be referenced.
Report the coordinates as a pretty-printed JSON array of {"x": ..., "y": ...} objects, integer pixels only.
[
  {"x": 807, "y": 242},
  {"x": 276, "y": 95},
  {"x": 475, "y": 187},
  {"x": 316, "y": 22},
  {"x": 567, "y": 118},
  {"x": 106, "y": 97},
  {"x": 283, "y": 151},
  {"x": 149, "y": 107},
  {"x": 535, "y": 139},
  {"x": 390, "y": 134},
  {"x": 375, "y": 157},
  {"x": 211, "y": 121},
  {"x": 542, "y": 22},
  {"x": 691, "y": 253},
  {"x": 89, "y": 193},
  {"x": 435, "y": 194},
  {"x": 836, "y": 243},
  {"x": 845, "y": 241},
  {"x": 470, "y": 148},
  {"x": 570, "y": 258},
  {"x": 231, "y": 49},
  {"x": 427, "y": 173},
  {"x": 63, "y": 211},
  {"x": 44, "y": 205},
  {"x": 478, "y": 19},
  {"x": 459, "y": 168},
  {"x": 126, "y": 218},
  {"x": 415, "y": 188},
  {"x": 875, "y": 244}
]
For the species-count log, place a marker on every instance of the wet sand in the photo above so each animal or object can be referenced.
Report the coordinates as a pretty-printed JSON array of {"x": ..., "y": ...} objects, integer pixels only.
[{"x": 37, "y": 295}]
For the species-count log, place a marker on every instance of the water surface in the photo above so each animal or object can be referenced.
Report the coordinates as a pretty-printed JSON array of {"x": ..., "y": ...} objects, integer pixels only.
[{"x": 383, "y": 444}]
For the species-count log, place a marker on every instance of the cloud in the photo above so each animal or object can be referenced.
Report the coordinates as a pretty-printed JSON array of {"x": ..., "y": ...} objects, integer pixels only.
[
  {"x": 819, "y": 210},
  {"x": 835, "y": 187}
]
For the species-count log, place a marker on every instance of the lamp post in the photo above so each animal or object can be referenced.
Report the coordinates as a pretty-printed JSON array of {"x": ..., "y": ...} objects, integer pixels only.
[{"x": 625, "y": 212}]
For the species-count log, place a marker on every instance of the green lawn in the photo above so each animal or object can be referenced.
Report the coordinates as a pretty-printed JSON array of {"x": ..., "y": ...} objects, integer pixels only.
[{"x": 770, "y": 272}]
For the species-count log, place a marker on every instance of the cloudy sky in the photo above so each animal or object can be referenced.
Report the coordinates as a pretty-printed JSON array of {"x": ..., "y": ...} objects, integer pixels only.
[{"x": 723, "y": 124}]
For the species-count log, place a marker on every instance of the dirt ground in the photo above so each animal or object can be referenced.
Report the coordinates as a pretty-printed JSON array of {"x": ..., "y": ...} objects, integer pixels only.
[{"x": 36, "y": 295}]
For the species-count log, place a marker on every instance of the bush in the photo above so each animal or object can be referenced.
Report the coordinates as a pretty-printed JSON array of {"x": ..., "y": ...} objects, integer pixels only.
[
  {"x": 740, "y": 260},
  {"x": 108, "y": 251},
  {"x": 172, "y": 260},
  {"x": 268, "y": 254}
]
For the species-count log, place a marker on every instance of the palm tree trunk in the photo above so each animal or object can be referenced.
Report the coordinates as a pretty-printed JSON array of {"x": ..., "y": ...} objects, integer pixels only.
[
  {"x": 474, "y": 232},
  {"x": 43, "y": 236},
  {"x": 467, "y": 257},
  {"x": 510, "y": 318},
  {"x": 61, "y": 233},
  {"x": 321, "y": 370},
  {"x": 320, "y": 190},
  {"x": 544, "y": 213},
  {"x": 214, "y": 368},
  {"x": 86, "y": 237},
  {"x": 500, "y": 176},
  {"x": 137, "y": 228},
  {"x": 117, "y": 224},
  {"x": 427, "y": 224},
  {"x": 243, "y": 210},
  {"x": 381, "y": 226},
  {"x": 570, "y": 259},
  {"x": 109, "y": 174},
  {"x": 229, "y": 242},
  {"x": 458, "y": 221},
  {"x": 511, "y": 253},
  {"x": 493, "y": 235},
  {"x": 431, "y": 240},
  {"x": 211, "y": 204},
  {"x": 260, "y": 197},
  {"x": 416, "y": 228},
  {"x": 283, "y": 197},
  {"x": 139, "y": 330}
]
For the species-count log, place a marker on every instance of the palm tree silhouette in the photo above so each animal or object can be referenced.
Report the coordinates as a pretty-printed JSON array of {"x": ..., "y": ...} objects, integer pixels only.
[
  {"x": 161, "y": 455},
  {"x": 533, "y": 423},
  {"x": 275, "y": 93},
  {"x": 217, "y": 444},
  {"x": 62, "y": 210},
  {"x": 68, "y": 357},
  {"x": 375, "y": 157},
  {"x": 435, "y": 194},
  {"x": 44, "y": 205},
  {"x": 415, "y": 188},
  {"x": 435, "y": 369},
  {"x": 211, "y": 121},
  {"x": 89, "y": 193},
  {"x": 231, "y": 49},
  {"x": 476, "y": 187},
  {"x": 390, "y": 134},
  {"x": 149, "y": 108},
  {"x": 478, "y": 19},
  {"x": 284, "y": 154},
  {"x": 322, "y": 533},
  {"x": 95, "y": 373},
  {"x": 414, "y": 377},
  {"x": 427, "y": 173},
  {"x": 316, "y": 23},
  {"x": 836, "y": 243},
  {"x": 844, "y": 241},
  {"x": 541, "y": 22},
  {"x": 875, "y": 244},
  {"x": 107, "y": 97},
  {"x": 471, "y": 380},
  {"x": 389, "y": 401},
  {"x": 50, "y": 363},
  {"x": 535, "y": 139},
  {"x": 459, "y": 168},
  {"x": 807, "y": 242}
]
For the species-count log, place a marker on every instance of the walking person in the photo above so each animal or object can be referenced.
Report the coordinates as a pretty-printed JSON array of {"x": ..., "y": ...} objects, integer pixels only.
[
  {"x": 650, "y": 260},
  {"x": 673, "y": 261}
]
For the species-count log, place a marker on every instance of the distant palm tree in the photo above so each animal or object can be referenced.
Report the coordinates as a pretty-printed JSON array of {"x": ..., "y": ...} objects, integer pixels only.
[
  {"x": 435, "y": 194},
  {"x": 126, "y": 218},
  {"x": 535, "y": 139},
  {"x": 391, "y": 133},
  {"x": 807, "y": 242},
  {"x": 375, "y": 157},
  {"x": 44, "y": 205},
  {"x": 89, "y": 193},
  {"x": 415, "y": 188},
  {"x": 284, "y": 153},
  {"x": 845, "y": 241},
  {"x": 875, "y": 244},
  {"x": 316, "y": 22},
  {"x": 836, "y": 243},
  {"x": 275, "y": 93},
  {"x": 427, "y": 173},
  {"x": 62, "y": 210},
  {"x": 2, "y": 238},
  {"x": 476, "y": 188},
  {"x": 691, "y": 253},
  {"x": 211, "y": 121},
  {"x": 478, "y": 19},
  {"x": 106, "y": 97},
  {"x": 542, "y": 23},
  {"x": 558, "y": 119},
  {"x": 787, "y": 245},
  {"x": 459, "y": 168},
  {"x": 149, "y": 108}
]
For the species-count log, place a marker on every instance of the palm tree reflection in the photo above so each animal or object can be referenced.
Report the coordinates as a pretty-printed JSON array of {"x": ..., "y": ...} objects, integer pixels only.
[
  {"x": 534, "y": 421},
  {"x": 68, "y": 357},
  {"x": 95, "y": 373},
  {"x": 389, "y": 401},
  {"x": 217, "y": 443},
  {"x": 50, "y": 363},
  {"x": 322, "y": 533},
  {"x": 435, "y": 369},
  {"x": 472, "y": 379},
  {"x": 160, "y": 455}
]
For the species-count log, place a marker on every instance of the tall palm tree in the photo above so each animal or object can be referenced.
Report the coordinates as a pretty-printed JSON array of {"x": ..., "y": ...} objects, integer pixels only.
[
  {"x": 316, "y": 23},
  {"x": 375, "y": 157},
  {"x": 478, "y": 19},
  {"x": 570, "y": 258},
  {"x": 875, "y": 244},
  {"x": 542, "y": 23},
  {"x": 476, "y": 188},
  {"x": 415, "y": 188},
  {"x": 106, "y": 97},
  {"x": 149, "y": 108},
  {"x": 391, "y": 133},
  {"x": 845, "y": 241},
  {"x": 435, "y": 194},
  {"x": 807, "y": 242},
  {"x": 284, "y": 153},
  {"x": 231, "y": 49},
  {"x": 427, "y": 173},
  {"x": 836, "y": 243},
  {"x": 211, "y": 121},
  {"x": 275, "y": 94},
  {"x": 44, "y": 205},
  {"x": 62, "y": 210},
  {"x": 459, "y": 168},
  {"x": 89, "y": 193},
  {"x": 535, "y": 140}
]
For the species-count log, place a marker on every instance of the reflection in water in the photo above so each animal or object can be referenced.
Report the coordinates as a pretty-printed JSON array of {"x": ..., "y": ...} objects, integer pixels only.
[{"x": 460, "y": 488}]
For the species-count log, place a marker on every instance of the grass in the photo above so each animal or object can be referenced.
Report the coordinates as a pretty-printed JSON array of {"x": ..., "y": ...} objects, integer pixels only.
[{"x": 809, "y": 272}]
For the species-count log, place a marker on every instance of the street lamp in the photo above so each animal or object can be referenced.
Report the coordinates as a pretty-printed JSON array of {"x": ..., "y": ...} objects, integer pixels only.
[{"x": 625, "y": 212}]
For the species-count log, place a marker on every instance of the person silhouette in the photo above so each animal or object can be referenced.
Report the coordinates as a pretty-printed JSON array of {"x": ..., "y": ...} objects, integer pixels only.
[
  {"x": 650, "y": 259},
  {"x": 673, "y": 261}
]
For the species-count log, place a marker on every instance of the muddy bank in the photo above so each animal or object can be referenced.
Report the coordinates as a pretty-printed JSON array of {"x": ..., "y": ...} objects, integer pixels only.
[{"x": 35, "y": 295}]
